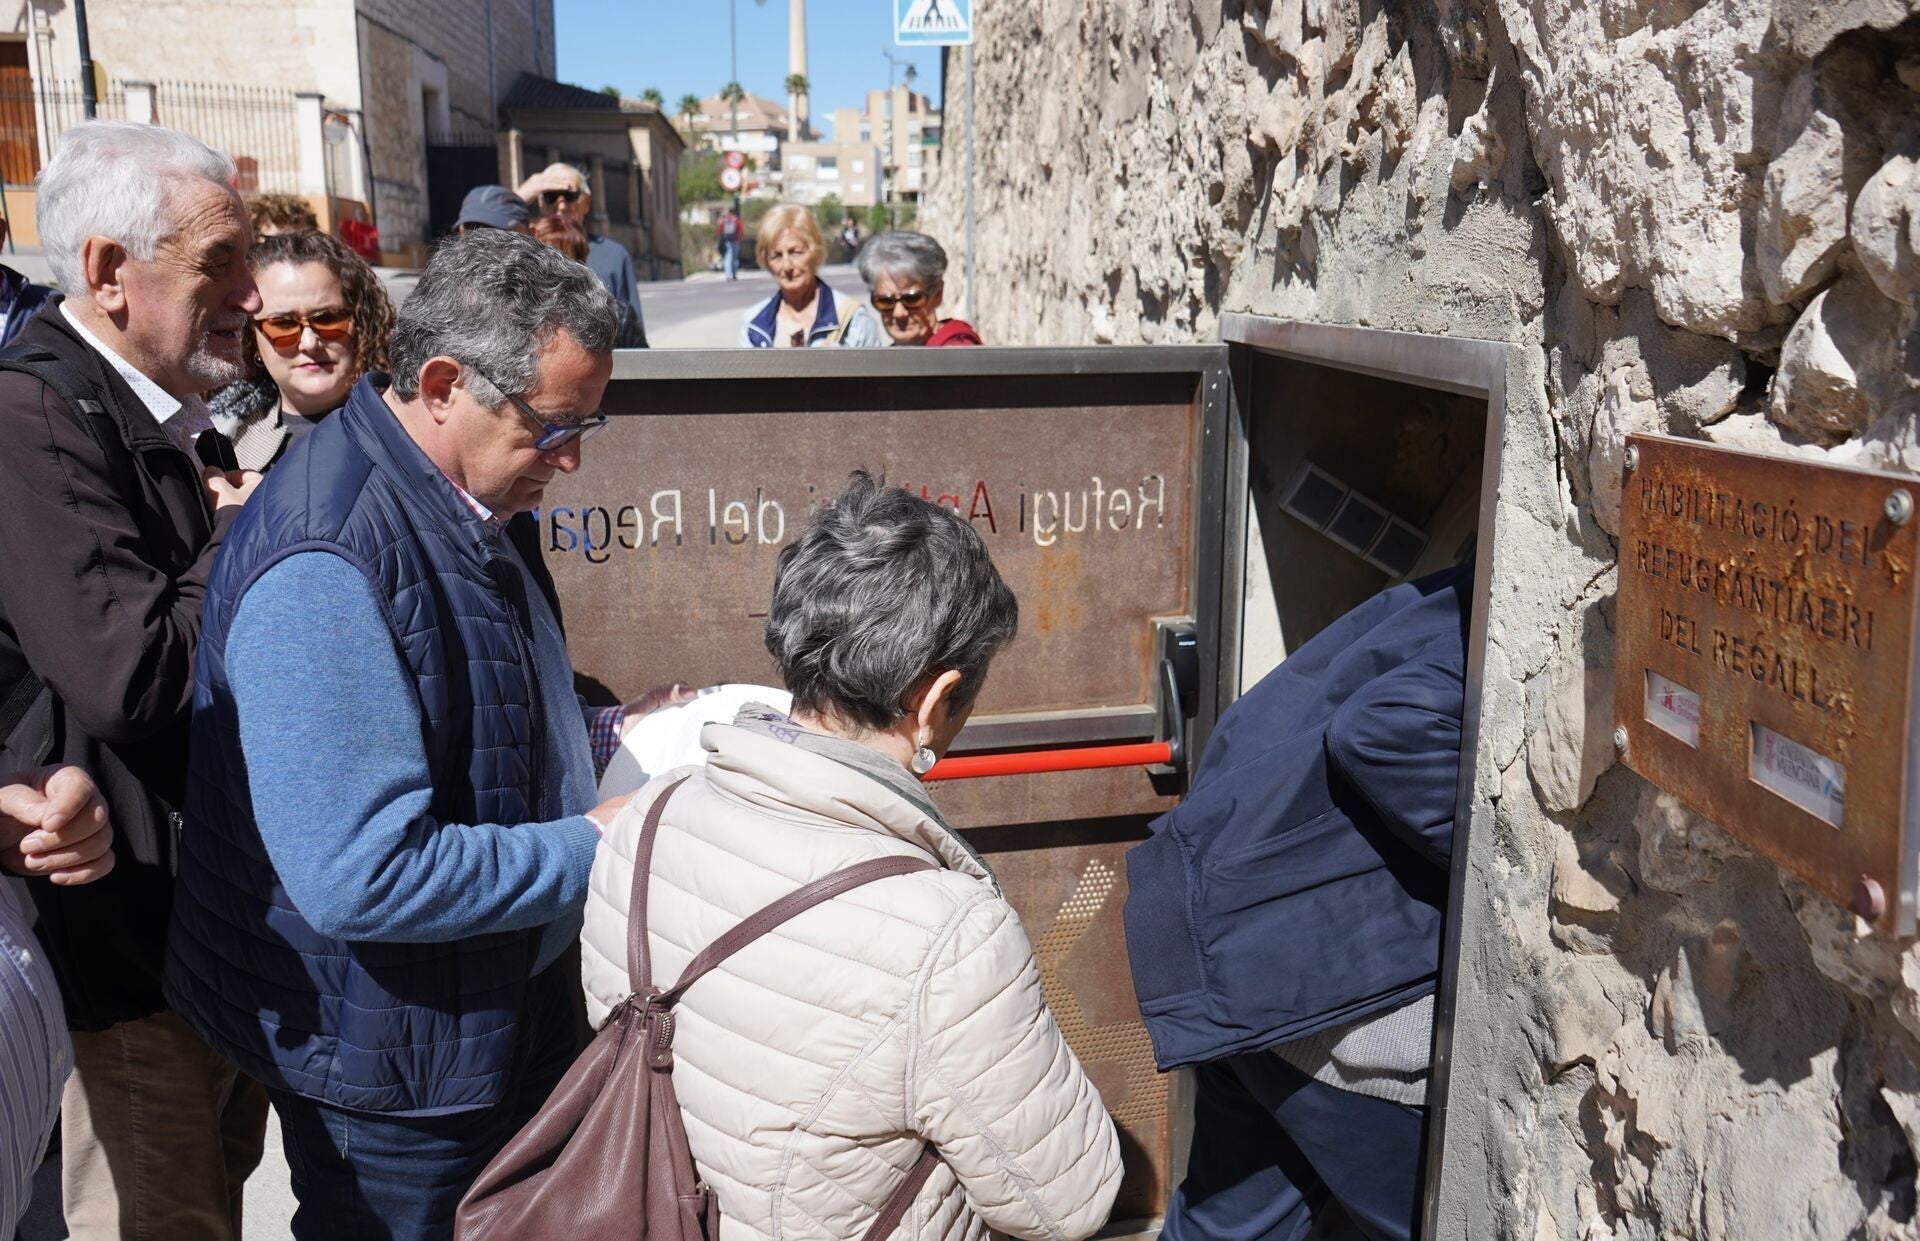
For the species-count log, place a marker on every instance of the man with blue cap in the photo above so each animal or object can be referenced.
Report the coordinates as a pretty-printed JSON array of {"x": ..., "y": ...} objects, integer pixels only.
[{"x": 491, "y": 206}]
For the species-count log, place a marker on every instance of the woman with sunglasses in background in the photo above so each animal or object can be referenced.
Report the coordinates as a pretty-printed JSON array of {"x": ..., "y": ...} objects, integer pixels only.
[
  {"x": 323, "y": 322},
  {"x": 906, "y": 274}
]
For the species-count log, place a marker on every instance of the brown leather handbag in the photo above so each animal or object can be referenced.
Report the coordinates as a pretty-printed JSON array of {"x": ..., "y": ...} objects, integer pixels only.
[{"x": 606, "y": 1156}]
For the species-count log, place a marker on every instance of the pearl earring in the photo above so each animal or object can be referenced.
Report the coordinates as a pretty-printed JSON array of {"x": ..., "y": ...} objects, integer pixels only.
[{"x": 923, "y": 761}]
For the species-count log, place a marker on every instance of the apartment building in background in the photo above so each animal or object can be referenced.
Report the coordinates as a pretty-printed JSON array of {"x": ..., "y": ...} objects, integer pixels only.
[{"x": 886, "y": 153}]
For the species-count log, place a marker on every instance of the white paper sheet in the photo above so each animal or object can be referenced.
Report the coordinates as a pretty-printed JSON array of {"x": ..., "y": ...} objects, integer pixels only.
[{"x": 670, "y": 737}]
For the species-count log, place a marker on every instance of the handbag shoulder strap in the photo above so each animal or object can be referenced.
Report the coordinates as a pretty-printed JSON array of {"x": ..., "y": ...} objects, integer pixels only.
[
  {"x": 639, "y": 959},
  {"x": 640, "y": 968},
  {"x": 796, "y": 902}
]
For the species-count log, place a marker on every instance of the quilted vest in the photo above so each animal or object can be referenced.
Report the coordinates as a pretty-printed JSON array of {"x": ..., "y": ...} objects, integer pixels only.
[{"x": 396, "y": 1028}]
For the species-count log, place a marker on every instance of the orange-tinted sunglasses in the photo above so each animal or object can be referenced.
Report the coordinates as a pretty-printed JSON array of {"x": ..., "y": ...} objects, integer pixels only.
[
  {"x": 283, "y": 331},
  {"x": 912, "y": 299}
]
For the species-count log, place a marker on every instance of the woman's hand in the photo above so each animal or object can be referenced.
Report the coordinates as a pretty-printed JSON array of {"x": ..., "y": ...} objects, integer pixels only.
[{"x": 53, "y": 825}]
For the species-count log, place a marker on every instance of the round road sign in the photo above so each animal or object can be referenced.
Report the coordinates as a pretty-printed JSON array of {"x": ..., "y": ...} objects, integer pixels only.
[
  {"x": 730, "y": 179},
  {"x": 736, "y": 159}
]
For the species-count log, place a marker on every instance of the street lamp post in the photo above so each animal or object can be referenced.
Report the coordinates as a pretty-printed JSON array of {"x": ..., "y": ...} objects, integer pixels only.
[{"x": 893, "y": 168}]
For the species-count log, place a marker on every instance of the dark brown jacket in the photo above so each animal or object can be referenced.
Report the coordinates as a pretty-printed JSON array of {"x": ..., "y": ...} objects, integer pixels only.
[{"x": 100, "y": 588}]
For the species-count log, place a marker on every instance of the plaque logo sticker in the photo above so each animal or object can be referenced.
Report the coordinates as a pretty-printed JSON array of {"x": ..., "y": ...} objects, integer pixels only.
[
  {"x": 1673, "y": 707},
  {"x": 1807, "y": 778}
]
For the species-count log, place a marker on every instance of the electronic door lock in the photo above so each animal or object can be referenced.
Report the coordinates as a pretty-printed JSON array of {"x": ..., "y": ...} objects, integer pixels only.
[{"x": 1176, "y": 647}]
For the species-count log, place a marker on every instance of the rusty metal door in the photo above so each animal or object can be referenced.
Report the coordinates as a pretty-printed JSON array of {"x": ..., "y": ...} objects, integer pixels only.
[{"x": 1096, "y": 478}]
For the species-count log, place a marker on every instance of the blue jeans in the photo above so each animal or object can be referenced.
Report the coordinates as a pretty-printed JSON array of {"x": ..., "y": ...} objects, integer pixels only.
[
  {"x": 730, "y": 255},
  {"x": 1271, "y": 1147},
  {"x": 360, "y": 1176}
]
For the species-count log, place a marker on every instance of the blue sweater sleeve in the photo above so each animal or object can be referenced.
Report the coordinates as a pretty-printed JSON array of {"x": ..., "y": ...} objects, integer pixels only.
[{"x": 331, "y": 727}]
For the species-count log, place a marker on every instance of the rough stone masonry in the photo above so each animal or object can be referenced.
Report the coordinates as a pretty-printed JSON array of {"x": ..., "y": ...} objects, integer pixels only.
[{"x": 1695, "y": 218}]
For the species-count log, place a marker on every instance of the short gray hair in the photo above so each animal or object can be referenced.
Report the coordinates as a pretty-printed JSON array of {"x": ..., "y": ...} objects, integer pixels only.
[
  {"x": 880, "y": 590},
  {"x": 913, "y": 257},
  {"x": 490, "y": 300},
  {"x": 115, "y": 179}
]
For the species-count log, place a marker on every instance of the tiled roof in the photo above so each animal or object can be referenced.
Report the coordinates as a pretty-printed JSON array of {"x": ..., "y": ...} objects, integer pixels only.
[{"x": 532, "y": 91}]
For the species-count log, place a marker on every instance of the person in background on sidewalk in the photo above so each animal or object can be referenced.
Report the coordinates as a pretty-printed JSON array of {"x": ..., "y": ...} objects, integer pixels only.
[
  {"x": 109, "y": 529},
  {"x": 53, "y": 826},
  {"x": 559, "y": 189},
  {"x": 805, "y": 313},
  {"x": 906, "y": 273},
  {"x": 392, "y": 815},
  {"x": 850, "y": 238},
  {"x": 20, "y": 298},
  {"x": 323, "y": 323},
  {"x": 492, "y": 206},
  {"x": 730, "y": 231},
  {"x": 1311, "y": 858},
  {"x": 273, "y": 214}
]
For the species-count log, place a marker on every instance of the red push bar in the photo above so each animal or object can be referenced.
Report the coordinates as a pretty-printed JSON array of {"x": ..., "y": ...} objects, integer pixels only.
[{"x": 1033, "y": 762}]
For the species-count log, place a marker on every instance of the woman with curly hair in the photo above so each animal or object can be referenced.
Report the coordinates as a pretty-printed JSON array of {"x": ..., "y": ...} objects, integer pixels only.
[{"x": 323, "y": 323}]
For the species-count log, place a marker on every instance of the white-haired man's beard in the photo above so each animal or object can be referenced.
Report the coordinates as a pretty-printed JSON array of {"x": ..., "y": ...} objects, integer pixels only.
[{"x": 216, "y": 362}]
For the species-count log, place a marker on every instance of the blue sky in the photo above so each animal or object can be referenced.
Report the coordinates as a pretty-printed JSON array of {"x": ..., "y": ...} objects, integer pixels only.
[{"x": 680, "y": 47}]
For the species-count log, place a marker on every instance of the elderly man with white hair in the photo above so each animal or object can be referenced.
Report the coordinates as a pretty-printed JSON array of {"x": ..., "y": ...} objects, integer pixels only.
[
  {"x": 109, "y": 527},
  {"x": 559, "y": 189}
]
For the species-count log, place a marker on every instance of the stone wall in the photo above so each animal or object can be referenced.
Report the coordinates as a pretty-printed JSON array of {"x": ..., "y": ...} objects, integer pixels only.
[
  {"x": 455, "y": 33},
  {"x": 1696, "y": 218}
]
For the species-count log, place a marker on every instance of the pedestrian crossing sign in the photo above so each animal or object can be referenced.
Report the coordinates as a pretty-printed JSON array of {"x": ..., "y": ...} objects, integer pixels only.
[{"x": 932, "y": 23}]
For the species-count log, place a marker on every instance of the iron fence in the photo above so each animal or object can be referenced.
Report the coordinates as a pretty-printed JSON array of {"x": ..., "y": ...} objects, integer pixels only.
[
  {"x": 34, "y": 114},
  {"x": 256, "y": 126}
]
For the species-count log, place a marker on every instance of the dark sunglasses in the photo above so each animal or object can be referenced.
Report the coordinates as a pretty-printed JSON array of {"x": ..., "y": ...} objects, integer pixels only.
[
  {"x": 563, "y": 197},
  {"x": 283, "y": 331},
  {"x": 912, "y": 299},
  {"x": 553, "y": 435}
]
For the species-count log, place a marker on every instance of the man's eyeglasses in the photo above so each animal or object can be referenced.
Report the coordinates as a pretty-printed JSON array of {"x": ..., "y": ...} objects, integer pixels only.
[
  {"x": 912, "y": 299},
  {"x": 553, "y": 435},
  {"x": 562, "y": 198},
  {"x": 283, "y": 331}
]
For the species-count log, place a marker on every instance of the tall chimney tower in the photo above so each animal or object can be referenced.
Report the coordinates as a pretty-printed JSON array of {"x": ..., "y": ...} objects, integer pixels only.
[{"x": 796, "y": 63}]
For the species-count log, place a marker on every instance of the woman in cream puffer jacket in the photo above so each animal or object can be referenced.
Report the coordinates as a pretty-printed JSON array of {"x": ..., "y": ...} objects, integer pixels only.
[{"x": 812, "y": 1066}]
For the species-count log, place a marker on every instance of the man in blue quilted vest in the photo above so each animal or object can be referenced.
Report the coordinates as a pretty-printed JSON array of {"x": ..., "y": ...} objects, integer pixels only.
[{"x": 391, "y": 810}]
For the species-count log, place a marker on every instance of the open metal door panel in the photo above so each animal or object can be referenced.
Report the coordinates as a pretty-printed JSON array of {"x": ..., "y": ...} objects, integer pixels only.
[
  {"x": 1095, "y": 477},
  {"x": 1273, "y": 352}
]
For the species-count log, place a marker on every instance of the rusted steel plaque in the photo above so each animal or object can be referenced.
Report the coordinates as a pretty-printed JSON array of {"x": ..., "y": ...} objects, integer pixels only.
[
  {"x": 1765, "y": 648},
  {"x": 663, "y": 544}
]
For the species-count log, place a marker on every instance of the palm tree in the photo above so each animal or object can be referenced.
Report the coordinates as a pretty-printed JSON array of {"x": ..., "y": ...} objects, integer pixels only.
[
  {"x": 797, "y": 84},
  {"x": 733, "y": 92},
  {"x": 653, "y": 96},
  {"x": 690, "y": 113}
]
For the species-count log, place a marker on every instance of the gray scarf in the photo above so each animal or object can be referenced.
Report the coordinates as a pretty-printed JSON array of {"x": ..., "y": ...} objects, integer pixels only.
[{"x": 759, "y": 718}]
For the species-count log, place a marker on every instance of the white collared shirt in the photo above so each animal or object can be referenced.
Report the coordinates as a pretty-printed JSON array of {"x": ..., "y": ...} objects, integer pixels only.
[{"x": 162, "y": 404}]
